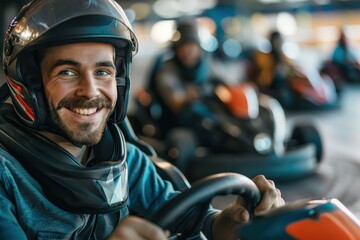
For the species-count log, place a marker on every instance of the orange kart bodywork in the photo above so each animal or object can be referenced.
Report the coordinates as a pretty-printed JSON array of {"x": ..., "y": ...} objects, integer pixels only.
[{"x": 305, "y": 220}]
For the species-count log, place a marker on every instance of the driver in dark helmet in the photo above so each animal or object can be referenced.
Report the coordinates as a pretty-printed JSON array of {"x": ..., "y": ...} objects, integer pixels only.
[
  {"x": 183, "y": 82},
  {"x": 66, "y": 171},
  {"x": 181, "y": 78}
]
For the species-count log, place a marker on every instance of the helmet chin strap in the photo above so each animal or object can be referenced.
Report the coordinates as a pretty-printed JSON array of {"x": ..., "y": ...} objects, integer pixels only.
[{"x": 101, "y": 187}]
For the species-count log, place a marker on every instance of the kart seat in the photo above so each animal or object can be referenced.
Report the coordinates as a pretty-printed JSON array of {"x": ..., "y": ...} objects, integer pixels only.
[{"x": 166, "y": 170}]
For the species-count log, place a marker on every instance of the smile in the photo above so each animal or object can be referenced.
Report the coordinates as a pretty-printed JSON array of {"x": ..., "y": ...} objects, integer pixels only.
[{"x": 85, "y": 111}]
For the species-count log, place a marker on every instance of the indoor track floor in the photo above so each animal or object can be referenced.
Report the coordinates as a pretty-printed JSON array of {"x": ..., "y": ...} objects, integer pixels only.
[{"x": 338, "y": 175}]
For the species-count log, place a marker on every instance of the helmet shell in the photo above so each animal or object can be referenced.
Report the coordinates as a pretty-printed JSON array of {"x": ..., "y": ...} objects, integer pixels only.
[
  {"x": 186, "y": 31},
  {"x": 46, "y": 23}
]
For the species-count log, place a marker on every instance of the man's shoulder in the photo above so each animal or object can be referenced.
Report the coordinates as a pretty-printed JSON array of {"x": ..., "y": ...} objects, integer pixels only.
[
  {"x": 6, "y": 159},
  {"x": 134, "y": 151},
  {"x": 131, "y": 147},
  {"x": 10, "y": 168},
  {"x": 136, "y": 158}
]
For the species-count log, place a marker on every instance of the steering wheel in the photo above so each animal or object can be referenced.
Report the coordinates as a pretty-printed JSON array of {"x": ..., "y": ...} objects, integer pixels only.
[{"x": 202, "y": 192}]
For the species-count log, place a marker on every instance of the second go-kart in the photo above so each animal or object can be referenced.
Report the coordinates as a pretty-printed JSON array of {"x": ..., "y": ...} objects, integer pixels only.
[
  {"x": 295, "y": 87},
  {"x": 251, "y": 133},
  {"x": 342, "y": 73},
  {"x": 304, "y": 219}
]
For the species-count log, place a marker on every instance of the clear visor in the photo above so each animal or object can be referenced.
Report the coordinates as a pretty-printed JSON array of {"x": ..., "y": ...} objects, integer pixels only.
[{"x": 45, "y": 15}]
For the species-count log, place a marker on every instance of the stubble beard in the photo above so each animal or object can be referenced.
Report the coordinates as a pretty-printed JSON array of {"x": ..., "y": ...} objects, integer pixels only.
[{"x": 83, "y": 134}]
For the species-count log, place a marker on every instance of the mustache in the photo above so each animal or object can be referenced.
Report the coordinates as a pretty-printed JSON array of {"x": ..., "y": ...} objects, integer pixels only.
[{"x": 79, "y": 102}]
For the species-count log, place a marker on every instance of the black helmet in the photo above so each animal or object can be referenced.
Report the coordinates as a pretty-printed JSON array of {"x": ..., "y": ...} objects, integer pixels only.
[
  {"x": 42, "y": 24},
  {"x": 186, "y": 31}
]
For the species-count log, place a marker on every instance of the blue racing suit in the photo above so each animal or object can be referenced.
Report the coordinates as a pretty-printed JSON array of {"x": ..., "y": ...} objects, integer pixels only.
[{"x": 26, "y": 213}]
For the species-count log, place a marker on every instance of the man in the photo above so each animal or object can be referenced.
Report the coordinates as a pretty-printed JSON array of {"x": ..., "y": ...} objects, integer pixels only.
[
  {"x": 271, "y": 71},
  {"x": 184, "y": 81},
  {"x": 345, "y": 58},
  {"x": 66, "y": 171},
  {"x": 181, "y": 78}
]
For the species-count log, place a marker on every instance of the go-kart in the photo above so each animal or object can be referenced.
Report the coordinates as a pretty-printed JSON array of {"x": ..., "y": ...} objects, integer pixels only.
[
  {"x": 250, "y": 136},
  {"x": 342, "y": 73},
  {"x": 305, "y": 219},
  {"x": 295, "y": 87}
]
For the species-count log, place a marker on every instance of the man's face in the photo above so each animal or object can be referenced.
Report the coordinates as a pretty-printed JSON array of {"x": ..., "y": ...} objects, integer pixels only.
[
  {"x": 80, "y": 86},
  {"x": 189, "y": 53}
]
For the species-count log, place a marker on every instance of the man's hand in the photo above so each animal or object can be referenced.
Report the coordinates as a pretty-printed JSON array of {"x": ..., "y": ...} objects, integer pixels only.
[
  {"x": 228, "y": 221},
  {"x": 135, "y": 228}
]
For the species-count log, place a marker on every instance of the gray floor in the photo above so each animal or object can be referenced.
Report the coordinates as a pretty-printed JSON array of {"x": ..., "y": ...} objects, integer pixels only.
[{"x": 338, "y": 175}]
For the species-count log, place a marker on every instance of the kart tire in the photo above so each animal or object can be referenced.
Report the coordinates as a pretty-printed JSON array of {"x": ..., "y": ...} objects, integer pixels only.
[{"x": 305, "y": 134}]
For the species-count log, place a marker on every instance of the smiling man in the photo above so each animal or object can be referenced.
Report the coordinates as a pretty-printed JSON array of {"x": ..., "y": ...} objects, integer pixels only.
[
  {"x": 79, "y": 83},
  {"x": 66, "y": 171}
]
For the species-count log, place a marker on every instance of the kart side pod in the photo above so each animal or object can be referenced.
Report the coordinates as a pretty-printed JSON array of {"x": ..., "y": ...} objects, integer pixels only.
[{"x": 304, "y": 220}]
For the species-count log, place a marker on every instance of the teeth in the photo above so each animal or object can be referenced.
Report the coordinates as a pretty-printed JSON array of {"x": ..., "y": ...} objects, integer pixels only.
[{"x": 85, "y": 111}]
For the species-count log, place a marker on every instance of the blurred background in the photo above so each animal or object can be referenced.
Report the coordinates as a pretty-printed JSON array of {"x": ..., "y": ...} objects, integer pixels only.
[
  {"x": 230, "y": 28},
  {"x": 229, "y": 31}
]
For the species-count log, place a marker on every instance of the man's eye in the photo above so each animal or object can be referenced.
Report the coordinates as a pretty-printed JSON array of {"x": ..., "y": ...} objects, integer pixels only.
[
  {"x": 102, "y": 73},
  {"x": 66, "y": 73}
]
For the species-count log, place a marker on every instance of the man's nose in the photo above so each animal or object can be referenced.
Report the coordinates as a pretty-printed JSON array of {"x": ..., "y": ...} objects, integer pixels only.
[{"x": 88, "y": 87}]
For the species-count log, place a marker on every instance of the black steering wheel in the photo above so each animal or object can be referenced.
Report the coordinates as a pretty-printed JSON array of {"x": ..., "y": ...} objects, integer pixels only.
[{"x": 202, "y": 192}]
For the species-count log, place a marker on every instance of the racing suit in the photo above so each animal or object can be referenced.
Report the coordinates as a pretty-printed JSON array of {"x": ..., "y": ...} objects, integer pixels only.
[{"x": 26, "y": 212}]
